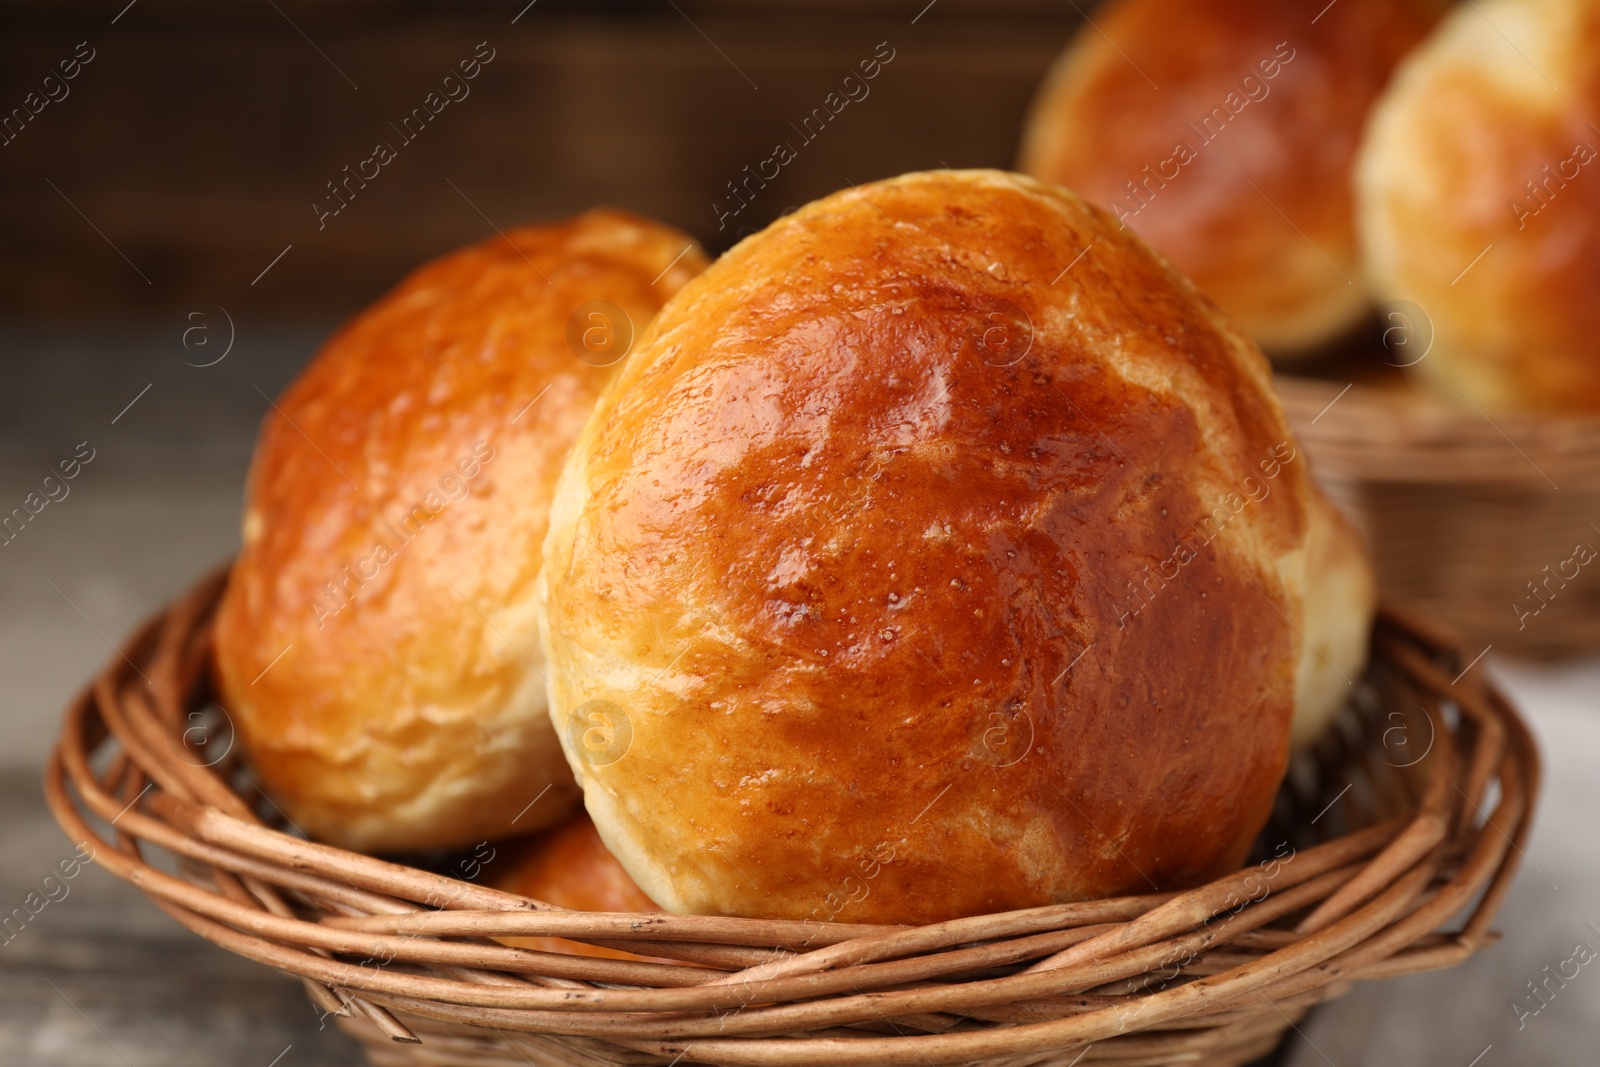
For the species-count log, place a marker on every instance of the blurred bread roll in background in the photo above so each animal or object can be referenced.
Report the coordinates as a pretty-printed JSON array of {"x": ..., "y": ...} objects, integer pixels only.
[
  {"x": 911, "y": 569},
  {"x": 1223, "y": 132},
  {"x": 569, "y": 866},
  {"x": 376, "y": 646},
  {"x": 1479, "y": 185}
]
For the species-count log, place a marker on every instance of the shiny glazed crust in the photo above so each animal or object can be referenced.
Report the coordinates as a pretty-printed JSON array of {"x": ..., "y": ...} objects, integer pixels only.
[
  {"x": 376, "y": 647},
  {"x": 1259, "y": 96},
  {"x": 1479, "y": 188},
  {"x": 854, "y": 592}
]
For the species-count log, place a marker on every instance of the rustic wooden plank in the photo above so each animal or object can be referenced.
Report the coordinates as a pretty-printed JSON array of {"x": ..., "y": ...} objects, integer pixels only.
[{"x": 99, "y": 977}]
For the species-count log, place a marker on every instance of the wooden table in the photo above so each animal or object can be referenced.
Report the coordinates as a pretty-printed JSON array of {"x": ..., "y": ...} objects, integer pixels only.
[{"x": 101, "y": 977}]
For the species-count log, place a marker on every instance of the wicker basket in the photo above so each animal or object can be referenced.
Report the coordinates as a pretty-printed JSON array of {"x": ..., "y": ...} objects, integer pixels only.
[
  {"x": 1411, "y": 812},
  {"x": 1471, "y": 519}
]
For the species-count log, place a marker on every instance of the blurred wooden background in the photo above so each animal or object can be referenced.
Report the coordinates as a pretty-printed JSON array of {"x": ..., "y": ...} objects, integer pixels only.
[{"x": 200, "y": 134}]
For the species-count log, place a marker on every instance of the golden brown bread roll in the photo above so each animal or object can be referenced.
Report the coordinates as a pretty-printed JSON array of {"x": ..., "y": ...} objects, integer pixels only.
[
  {"x": 1480, "y": 202},
  {"x": 569, "y": 867},
  {"x": 376, "y": 646},
  {"x": 916, "y": 566},
  {"x": 1223, "y": 132}
]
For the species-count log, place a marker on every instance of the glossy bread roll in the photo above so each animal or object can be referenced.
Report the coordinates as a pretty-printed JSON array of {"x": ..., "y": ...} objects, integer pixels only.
[
  {"x": 1479, "y": 187},
  {"x": 376, "y": 645},
  {"x": 1223, "y": 132},
  {"x": 570, "y": 868},
  {"x": 911, "y": 569}
]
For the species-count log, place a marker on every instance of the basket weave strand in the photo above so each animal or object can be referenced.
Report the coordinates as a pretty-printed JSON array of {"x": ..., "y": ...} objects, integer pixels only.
[
  {"x": 1396, "y": 868},
  {"x": 1470, "y": 518}
]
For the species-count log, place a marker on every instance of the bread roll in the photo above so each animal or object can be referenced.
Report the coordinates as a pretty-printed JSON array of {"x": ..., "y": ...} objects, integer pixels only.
[
  {"x": 1479, "y": 185},
  {"x": 916, "y": 566},
  {"x": 1223, "y": 132},
  {"x": 376, "y": 646},
  {"x": 1341, "y": 599},
  {"x": 570, "y": 868}
]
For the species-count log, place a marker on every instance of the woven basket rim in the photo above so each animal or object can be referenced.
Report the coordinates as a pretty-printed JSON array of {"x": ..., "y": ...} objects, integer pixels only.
[
  {"x": 1396, "y": 434},
  {"x": 1248, "y": 953}
]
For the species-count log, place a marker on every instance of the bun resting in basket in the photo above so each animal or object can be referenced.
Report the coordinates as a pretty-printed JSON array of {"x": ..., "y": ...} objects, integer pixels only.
[
  {"x": 911, "y": 569},
  {"x": 569, "y": 866},
  {"x": 1479, "y": 187},
  {"x": 1224, "y": 132},
  {"x": 1341, "y": 599},
  {"x": 376, "y": 646}
]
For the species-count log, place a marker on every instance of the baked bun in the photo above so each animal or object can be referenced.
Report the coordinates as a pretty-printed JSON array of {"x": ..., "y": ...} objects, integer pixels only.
[
  {"x": 376, "y": 646},
  {"x": 1479, "y": 192},
  {"x": 1251, "y": 93},
  {"x": 570, "y": 868},
  {"x": 1341, "y": 598},
  {"x": 911, "y": 569}
]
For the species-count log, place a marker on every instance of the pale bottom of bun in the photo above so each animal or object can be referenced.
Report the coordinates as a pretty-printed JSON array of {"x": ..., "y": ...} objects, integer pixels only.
[
  {"x": 1491, "y": 378},
  {"x": 1301, "y": 333},
  {"x": 1341, "y": 599},
  {"x": 626, "y": 841},
  {"x": 440, "y": 778}
]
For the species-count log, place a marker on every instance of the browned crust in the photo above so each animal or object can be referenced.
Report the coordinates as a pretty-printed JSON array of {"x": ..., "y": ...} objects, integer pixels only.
[
  {"x": 406, "y": 707},
  {"x": 851, "y": 565},
  {"x": 1480, "y": 200},
  {"x": 1261, "y": 216}
]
